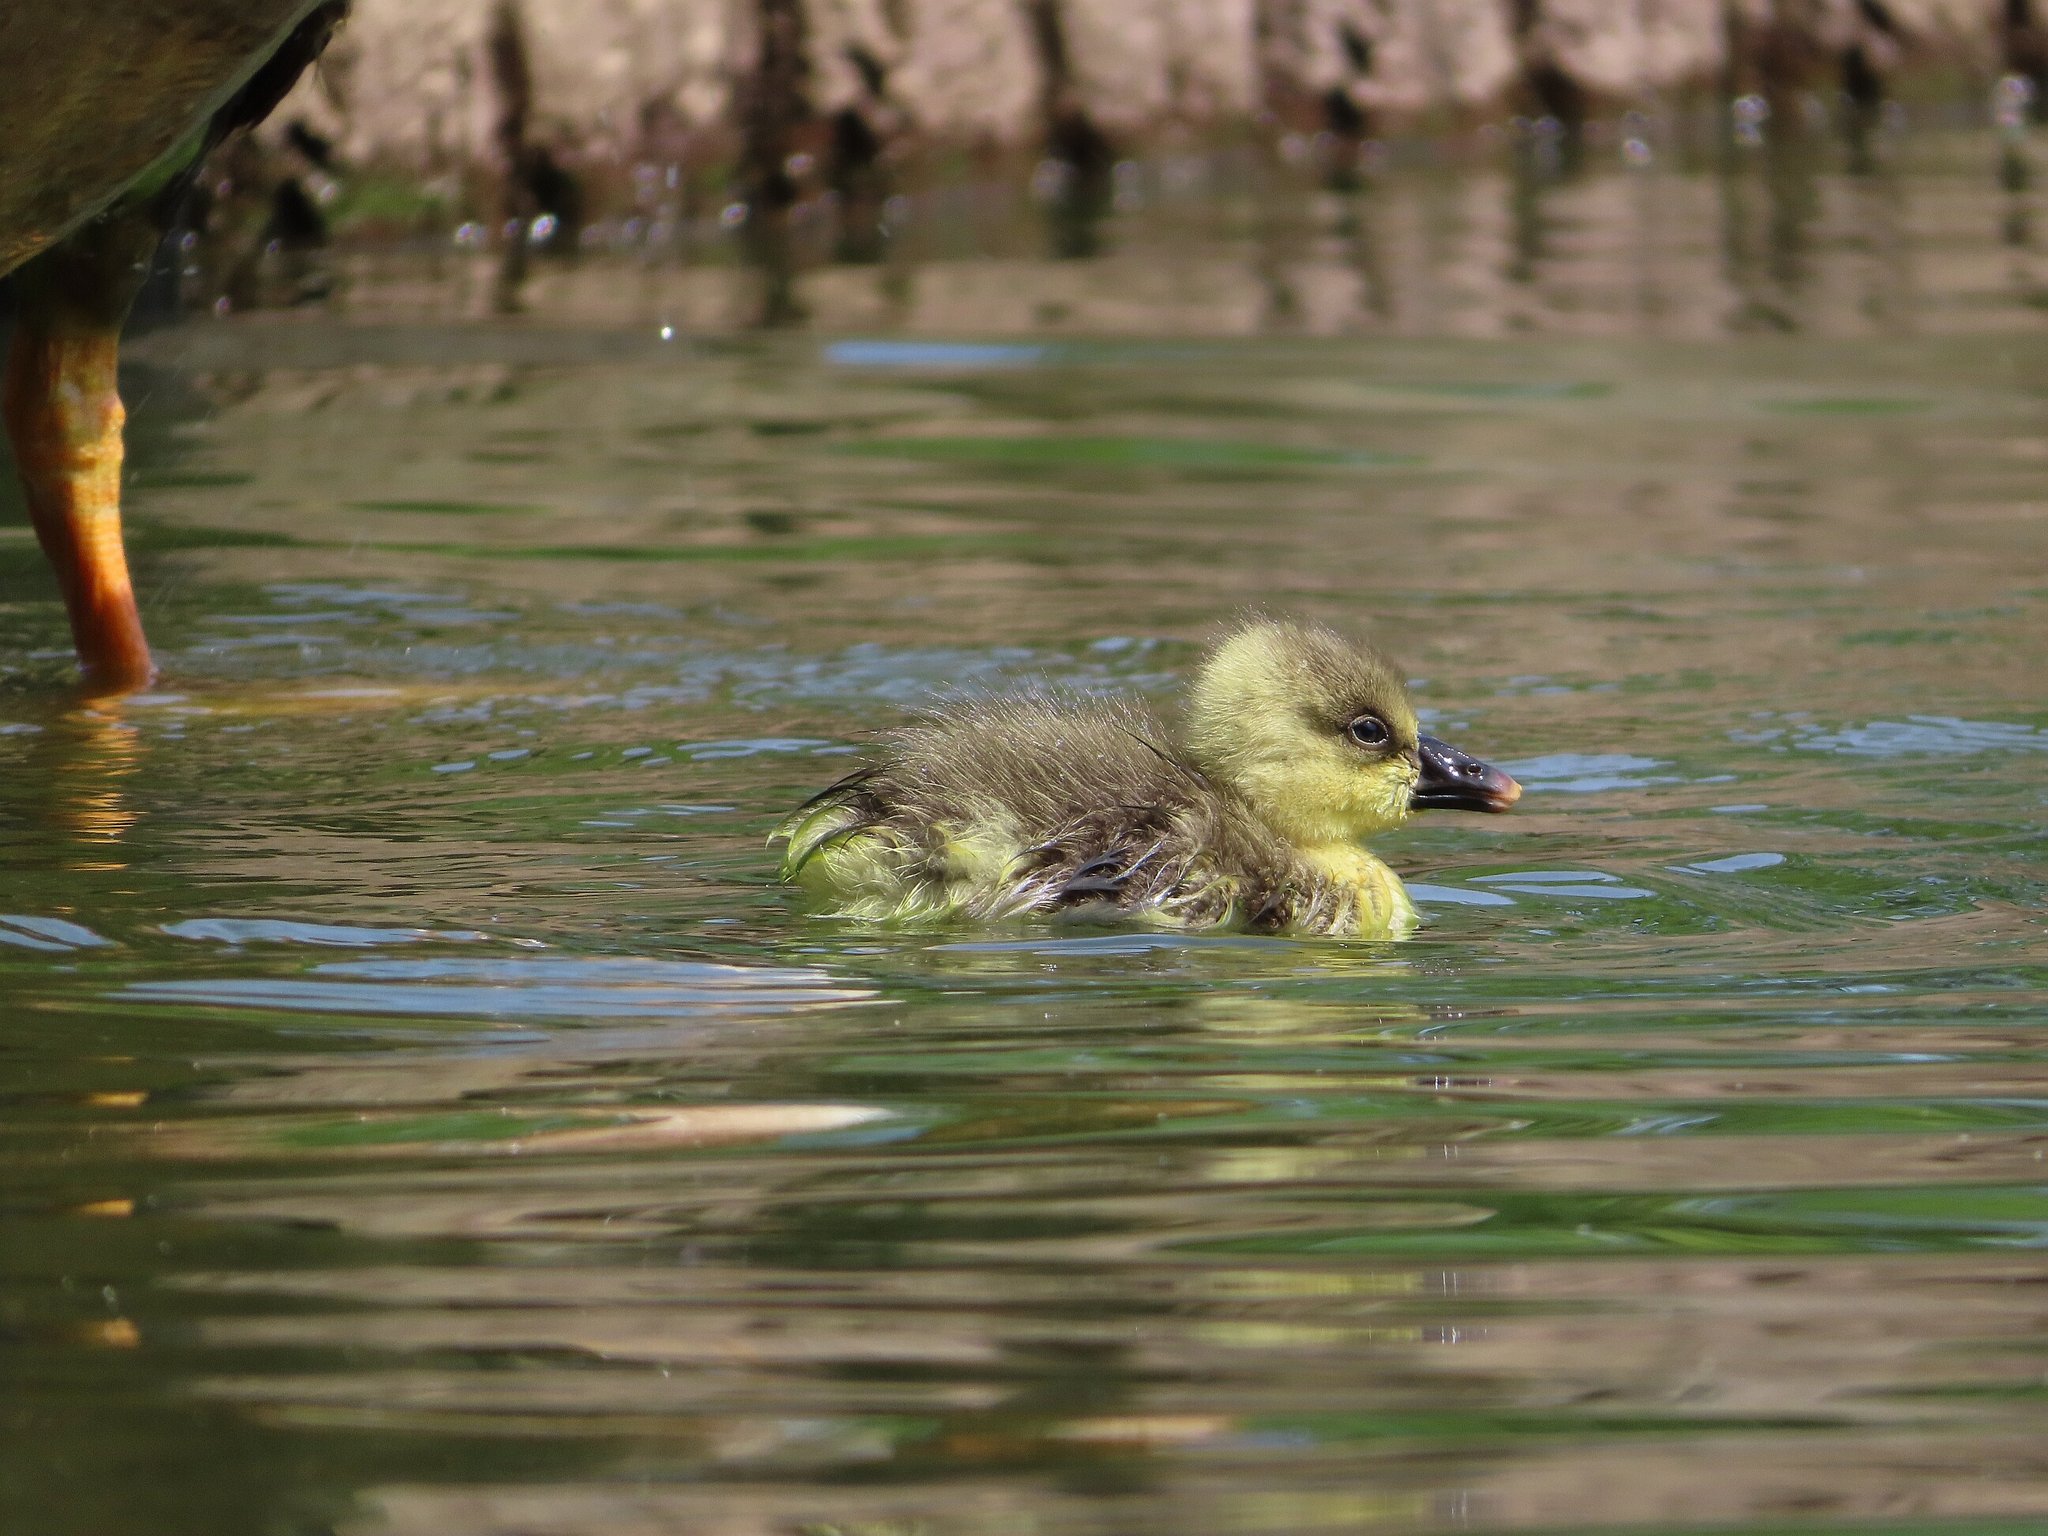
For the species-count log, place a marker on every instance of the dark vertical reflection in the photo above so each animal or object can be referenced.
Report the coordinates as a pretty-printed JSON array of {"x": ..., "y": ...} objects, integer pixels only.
[
  {"x": 1738, "y": 240},
  {"x": 1863, "y": 66},
  {"x": 857, "y": 168},
  {"x": 1534, "y": 171},
  {"x": 1877, "y": 203},
  {"x": 1358, "y": 234},
  {"x": 1652, "y": 210},
  {"x": 773, "y": 104},
  {"x": 2016, "y": 181},
  {"x": 1766, "y": 230},
  {"x": 511, "y": 73},
  {"x": 2016, "y": 229},
  {"x": 1279, "y": 245},
  {"x": 1078, "y": 179},
  {"x": 1791, "y": 163},
  {"x": 860, "y": 184}
]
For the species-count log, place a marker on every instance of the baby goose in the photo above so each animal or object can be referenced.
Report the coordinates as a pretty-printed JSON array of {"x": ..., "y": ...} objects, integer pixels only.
[{"x": 1296, "y": 745}]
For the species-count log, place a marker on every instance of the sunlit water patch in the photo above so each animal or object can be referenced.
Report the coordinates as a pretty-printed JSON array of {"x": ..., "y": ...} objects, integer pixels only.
[{"x": 533, "y": 987}]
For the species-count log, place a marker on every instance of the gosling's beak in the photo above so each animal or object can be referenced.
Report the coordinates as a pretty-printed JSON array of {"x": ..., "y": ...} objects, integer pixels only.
[{"x": 1455, "y": 781}]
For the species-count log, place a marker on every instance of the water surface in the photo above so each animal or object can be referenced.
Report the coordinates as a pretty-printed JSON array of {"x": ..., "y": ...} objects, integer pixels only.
[{"x": 423, "y": 1114}]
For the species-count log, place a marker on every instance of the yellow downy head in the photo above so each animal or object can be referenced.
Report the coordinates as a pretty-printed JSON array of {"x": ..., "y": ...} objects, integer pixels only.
[{"x": 1314, "y": 730}]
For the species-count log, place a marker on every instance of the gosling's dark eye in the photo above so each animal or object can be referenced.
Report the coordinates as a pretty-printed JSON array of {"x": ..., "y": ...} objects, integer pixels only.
[{"x": 1368, "y": 731}]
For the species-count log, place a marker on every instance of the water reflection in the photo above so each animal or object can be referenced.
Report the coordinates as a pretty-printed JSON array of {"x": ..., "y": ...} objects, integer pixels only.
[
  {"x": 529, "y": 987},
  {"x": 1124, "y": 1267},
  {"x": 1807, "y": 234},
  {"x": 78, "y": 765},
  {"x": 1181, "y": 1255},
  {"x": 421, "y": 1110}
]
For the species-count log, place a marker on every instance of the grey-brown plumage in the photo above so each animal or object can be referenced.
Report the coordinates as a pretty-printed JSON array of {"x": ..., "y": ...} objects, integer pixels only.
[
  {"x": 1100, "y": 815},
  {"x": 1296, "y": 743}
]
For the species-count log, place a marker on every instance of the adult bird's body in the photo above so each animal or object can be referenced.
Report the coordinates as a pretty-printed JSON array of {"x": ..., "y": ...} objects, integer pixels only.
[
  {"x": 1296, "y": 745},
  {"x": 106, "y": 113}
]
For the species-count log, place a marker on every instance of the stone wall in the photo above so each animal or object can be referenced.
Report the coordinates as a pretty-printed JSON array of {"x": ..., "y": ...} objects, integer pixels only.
[{"x": 409, "y": 82}]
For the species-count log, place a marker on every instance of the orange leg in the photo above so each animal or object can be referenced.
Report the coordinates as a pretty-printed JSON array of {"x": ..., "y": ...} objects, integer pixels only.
[{"x": 64, "y": 415}]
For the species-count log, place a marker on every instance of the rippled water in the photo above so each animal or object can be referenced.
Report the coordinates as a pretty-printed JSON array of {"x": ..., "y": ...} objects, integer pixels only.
[{"x": 423, "y": 1113}]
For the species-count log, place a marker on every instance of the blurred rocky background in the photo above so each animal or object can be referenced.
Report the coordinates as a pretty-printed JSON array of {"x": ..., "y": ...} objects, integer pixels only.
[{"x": 795, "y": 134}]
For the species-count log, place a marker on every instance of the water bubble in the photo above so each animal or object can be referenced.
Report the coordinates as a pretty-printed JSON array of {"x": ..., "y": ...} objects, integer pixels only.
[
  {"x": 1049, "y": 179},
  {"x": 1129, "y": 177},
  {"x": 2011, "y": 101}
]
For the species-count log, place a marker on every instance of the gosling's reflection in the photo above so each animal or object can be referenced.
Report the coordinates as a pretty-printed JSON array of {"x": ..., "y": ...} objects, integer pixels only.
[{"x": 2016, "y": 181}]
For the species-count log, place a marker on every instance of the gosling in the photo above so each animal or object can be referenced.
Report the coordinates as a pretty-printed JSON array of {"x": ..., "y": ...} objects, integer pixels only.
[{"x": 1296, "y": 746}]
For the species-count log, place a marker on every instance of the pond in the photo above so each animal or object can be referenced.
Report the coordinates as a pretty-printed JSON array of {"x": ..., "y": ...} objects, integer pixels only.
[{"x": 425, "y": 1114}]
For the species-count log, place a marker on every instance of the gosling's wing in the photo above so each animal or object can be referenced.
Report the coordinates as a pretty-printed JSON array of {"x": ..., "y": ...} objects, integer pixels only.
[
  {"x": 1119, "y": 856},
  {"x": 842, "y": 809},
  {"x": 1177, "y": 863},
  {"x": 991, "y": 809}
]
